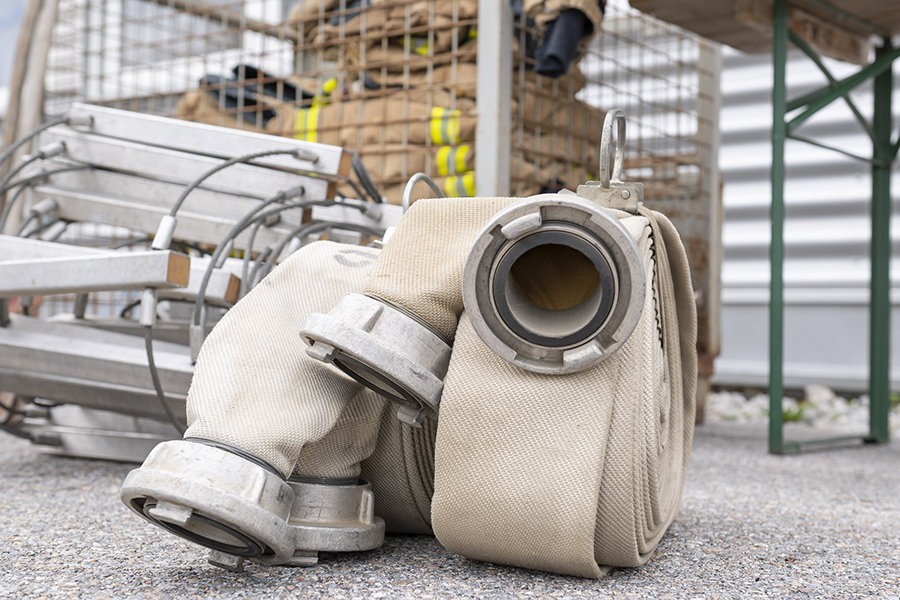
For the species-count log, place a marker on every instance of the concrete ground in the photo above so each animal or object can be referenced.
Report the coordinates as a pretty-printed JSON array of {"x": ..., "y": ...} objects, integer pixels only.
[{"x": 819, "y": 525}]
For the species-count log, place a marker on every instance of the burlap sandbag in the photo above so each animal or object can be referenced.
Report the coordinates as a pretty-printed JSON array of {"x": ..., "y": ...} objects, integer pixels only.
[
  {"x": 526, "y": 177},
  {"x": 395, "y": 161},
  {"x": 388, "y": 120},
  {"x": 425, "y": 94},
  {"x": 384, "y": 19},
  {"x": 392, "y": 57},
  {"x": 200, "y": 107},
  {"x": 463, "y": 80}
]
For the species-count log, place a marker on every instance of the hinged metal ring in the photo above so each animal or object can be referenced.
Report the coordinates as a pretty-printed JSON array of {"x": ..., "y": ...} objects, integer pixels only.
[{"x": 618, "y": 116}]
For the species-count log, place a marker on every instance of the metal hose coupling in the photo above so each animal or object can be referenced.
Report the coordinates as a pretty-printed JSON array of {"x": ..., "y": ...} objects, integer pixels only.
[
  {"x": 555, "y": 283},
  {"x": 385, "y": 347},
  {"x": 241, "y": 508}
]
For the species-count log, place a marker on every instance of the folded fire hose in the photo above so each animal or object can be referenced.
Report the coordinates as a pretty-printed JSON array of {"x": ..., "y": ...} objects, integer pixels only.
[{"x": 540, "y": 354}]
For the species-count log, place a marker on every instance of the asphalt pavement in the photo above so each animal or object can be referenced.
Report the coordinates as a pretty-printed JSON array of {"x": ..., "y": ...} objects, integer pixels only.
[{"x": 822, "y": 524}]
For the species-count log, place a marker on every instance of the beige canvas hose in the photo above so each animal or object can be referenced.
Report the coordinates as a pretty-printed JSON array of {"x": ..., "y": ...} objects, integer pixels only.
[
  {"x": 571, "y": 473},
  {"x": 396, "y": 336},
  {"x": 253, "y": 388},
  {"x": 580, "y": 472},
  {"x": 421, "y": 267}
]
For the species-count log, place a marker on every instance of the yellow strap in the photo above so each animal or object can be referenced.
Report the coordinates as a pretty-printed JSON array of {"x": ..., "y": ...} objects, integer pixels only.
[
  {"x": 306, "y": 123},
  {"x": 444, "y": 126},
  {"x": 450, "y": 187},
  {"x": 419, "y": 45},
  {"x": 443, "y": 160},
  {"x": 469, "y": 182},
  {"x": 462, "y": 152},
  {"x": 452, "y": 159},
  {"x": 462, "y": 186}
]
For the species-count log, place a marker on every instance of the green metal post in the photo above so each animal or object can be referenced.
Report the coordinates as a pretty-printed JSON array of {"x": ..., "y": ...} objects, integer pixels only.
[
  {"x": 880, "y": 300},
  {"x": 776, "y": 256}
]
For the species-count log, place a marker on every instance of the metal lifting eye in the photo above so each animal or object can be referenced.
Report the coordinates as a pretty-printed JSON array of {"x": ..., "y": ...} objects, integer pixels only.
[
  {"x": 611, "y": 191},
  {"x": 618, "y": 117},
  {"x": 554, "y": 284}
]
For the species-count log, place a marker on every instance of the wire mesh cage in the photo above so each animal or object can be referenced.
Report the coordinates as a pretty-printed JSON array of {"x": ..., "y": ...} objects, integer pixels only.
[{"x": 396, "y": 80}]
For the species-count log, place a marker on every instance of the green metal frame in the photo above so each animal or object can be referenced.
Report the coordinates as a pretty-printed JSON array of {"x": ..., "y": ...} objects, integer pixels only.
[{"x": 884, "y": 152}]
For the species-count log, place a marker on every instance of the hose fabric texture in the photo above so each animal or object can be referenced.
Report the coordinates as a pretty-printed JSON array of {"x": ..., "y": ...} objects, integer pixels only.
[
  {"x": 421, "y": 266},
  {"x": 401, "y": 471},
  {"x": 255, "y": 389},
  {"x": 574, "y": 473}
]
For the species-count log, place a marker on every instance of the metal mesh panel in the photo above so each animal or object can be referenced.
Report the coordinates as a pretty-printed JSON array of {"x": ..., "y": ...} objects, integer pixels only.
[
  {"x": 320, "y": 68},
  {"x": 396, "y": 80}
]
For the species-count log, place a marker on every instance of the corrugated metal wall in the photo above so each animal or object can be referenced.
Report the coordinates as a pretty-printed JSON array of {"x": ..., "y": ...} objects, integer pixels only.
[{"x": 826, "y": 233}]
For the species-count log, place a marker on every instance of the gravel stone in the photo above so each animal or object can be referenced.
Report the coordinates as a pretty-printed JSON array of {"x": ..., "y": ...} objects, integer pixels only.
[
  {"x": 820, "y": 408},
  {"x": 817, "y": 525}
]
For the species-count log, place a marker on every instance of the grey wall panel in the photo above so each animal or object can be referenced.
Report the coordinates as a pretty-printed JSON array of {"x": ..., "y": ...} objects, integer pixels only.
[{"x": 826, "y": 233}]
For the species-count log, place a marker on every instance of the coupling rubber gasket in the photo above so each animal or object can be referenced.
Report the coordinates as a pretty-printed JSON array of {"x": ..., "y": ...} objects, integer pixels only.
[
  {"x": 543, "y": 340},
  {"x": 249, "y": 548}
]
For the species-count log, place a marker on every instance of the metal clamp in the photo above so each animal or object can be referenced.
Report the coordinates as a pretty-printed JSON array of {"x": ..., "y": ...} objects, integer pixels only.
[
  {"x": 611, "y": 191},
  {"x": 333, "y": 518},
  {"x": 577, "y": 325},
  {"x": 214, "y": 498},
  {"x": 384, "y": 348},
  {"x": 241, "y": 510}
]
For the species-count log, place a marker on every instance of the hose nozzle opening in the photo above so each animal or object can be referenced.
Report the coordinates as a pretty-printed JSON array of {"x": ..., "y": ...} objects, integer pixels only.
[{"x": 553, "y": 284}]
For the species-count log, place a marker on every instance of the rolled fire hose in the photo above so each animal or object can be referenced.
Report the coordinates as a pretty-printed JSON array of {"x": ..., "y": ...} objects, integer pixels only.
[
  {"x": 573, "y": 472},
  {"x": 579, "y": 472},
  {"x": 563, "y": 438}
]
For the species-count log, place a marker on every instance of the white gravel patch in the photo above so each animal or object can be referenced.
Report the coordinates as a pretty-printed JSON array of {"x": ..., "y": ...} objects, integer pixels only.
[{"x": 820, "y": 408}]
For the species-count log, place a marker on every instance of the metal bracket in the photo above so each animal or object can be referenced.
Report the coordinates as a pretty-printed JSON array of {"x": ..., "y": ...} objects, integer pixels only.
[{"x": 611, "y": 191}]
